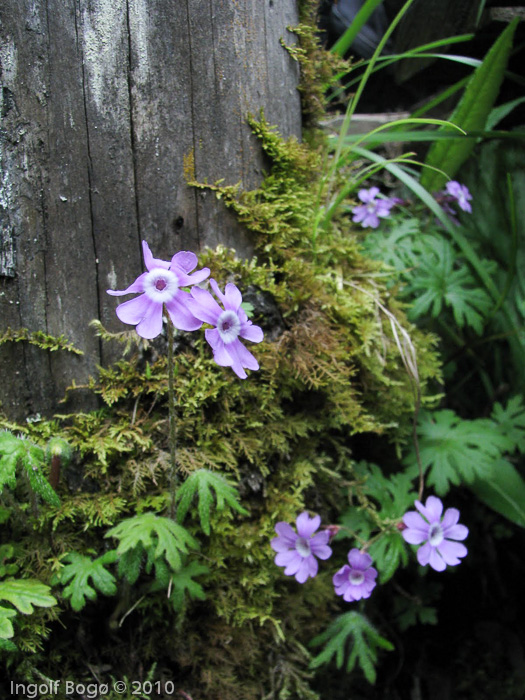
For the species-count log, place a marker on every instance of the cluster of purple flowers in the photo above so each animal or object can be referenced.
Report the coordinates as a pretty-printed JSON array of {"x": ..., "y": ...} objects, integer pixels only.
[
  {"x": 298, "y": 550},
  {"x": 160, "y": 288},
  {"x": 376, "y": 207}
]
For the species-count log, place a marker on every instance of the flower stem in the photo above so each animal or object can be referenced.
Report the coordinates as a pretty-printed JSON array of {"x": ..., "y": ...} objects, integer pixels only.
[{"x": 172, "y": 419}]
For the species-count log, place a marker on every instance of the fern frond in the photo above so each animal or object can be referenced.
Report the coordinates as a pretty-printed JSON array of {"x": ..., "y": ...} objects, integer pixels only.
[
  {"x": 203, "y": 481},
  {"x": 355, "y": 630},
  {"x": 157, "y": 536},
  {"x": 23, "y": 594},
  {"x": 15, "y": 451},
  {"x": 78, "y": 570}
]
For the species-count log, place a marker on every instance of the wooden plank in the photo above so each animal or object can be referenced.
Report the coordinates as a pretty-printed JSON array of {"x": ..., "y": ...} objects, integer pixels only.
[{"x": 109, "y": 107}]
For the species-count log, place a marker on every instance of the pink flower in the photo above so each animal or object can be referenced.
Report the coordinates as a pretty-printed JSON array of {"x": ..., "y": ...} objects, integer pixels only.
[
  {"x": 297, "y": 551},
  {"x": 160, "y": 287},
  {"x": 357, "y": 580},
  {"x": 438, "y": 534},
  {"x": 231, "y": 323}
]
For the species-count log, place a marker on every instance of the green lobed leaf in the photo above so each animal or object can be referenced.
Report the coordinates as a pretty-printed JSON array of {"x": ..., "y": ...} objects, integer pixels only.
[
  {"x": 471, "y": 113},
  {"x": 355, "y": 630},
  {"x": 79, "y": 570},
  {"x": 511, "y": 421},
  {"x": 6, "y": 626},
  {"x": 455, "y": 450},
  {"x": 204, "y": 482},
  {"x": 24, "y": 593},
  {"x": 156, "y": 535},
  {"x": 183, "y": 584}
]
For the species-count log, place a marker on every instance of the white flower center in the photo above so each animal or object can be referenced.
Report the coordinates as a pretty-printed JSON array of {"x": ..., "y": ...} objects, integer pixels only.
[
  {"x": 161, "y": 285},
  {"x": 303, "y": 547},
  {"x": 228, "y": 326},
  {"x": 435, "y": 535},
  {"x": 356, "y": 577}
]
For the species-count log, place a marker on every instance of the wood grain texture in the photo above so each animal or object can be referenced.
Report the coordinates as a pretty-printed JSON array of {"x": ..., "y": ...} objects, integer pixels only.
[{"x": 107, "y": 107}]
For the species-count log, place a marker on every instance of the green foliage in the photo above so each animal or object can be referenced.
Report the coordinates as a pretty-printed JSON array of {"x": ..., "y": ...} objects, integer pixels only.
[
  {"x": 184, "y": 584},
  {"x": 23, "y": 594},
  {"x": 18, "y": 452},
  {"x": 434, "y": 274},
  {"x": 42, "y": 340},
  {"x": 383, "y": 499},
  {"x": 161, "y": 539},
  {"x": 203, "y": 482},
  {"x": 471, "y": 113},
  {"x": 77, "y": 573},
  {"x": 456, "y": 450},
  {"x": 355, "y": 630},
  {"x": 442, "y": 278}
]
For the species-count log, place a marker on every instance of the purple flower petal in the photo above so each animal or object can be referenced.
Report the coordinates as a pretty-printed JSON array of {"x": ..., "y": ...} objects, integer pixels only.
[
  {"x": 241, "y": 355},
  {"x": 359, "y": 560},
  {"x": 151, "y": 324},
  {"x": 251, "y": 332},
  {"x": 303, "y": 572},
  {"x": 151, "y": 262},
  {"x": 306, "y": 526},
  {"x": 450, "y": 518},
  {"x": 286, "y": 531},
  {"x": 457, "y": 532},
  {"x": 288, "y": 557},
  {"x": 294, "y": 563},
  {"x": 180, "y": 314},
  {"x": 452, "y": 552},
  {"x": 232, "y": 296},
  {"x": 184, "y": 262},
  {"x": 412, "y": 536},
  {"x": 431, "y": 510},
  {"x": 136, "y": 287},
  {"x": 423, "y": 554},
  {"x": 134, "y": 310},
  {"x": 436, "y": 561}
]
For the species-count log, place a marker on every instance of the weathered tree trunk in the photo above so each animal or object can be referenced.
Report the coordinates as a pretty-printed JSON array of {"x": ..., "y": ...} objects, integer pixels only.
[{"x": 107, "y": 106}]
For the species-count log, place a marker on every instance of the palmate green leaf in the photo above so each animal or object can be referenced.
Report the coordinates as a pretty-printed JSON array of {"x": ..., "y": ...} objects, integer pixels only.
[
  {"x": 354, "y": 630},
  {"x": 23, "y": 594},
  {"x": 471, "y": 113},
  {"x": 511, "y": 421},
  {"x": 183, "y": 584},
  {"x": 79, "y": 570},
  {"x": 438, "y": 281},
  {"x": 156, "y": 535},
  {"x": 389, "y": 552},
  {"x": 455, "y": 450},
  {"x": 203, "y": 482},
  {"x": 6, "y": 626}
]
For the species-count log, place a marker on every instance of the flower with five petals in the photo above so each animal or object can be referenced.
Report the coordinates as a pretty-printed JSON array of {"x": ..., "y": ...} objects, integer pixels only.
[
  {"x": 297, "y": 551},
  {"x": 160, "y": 287},
  {"x": 231, "y": 323},
  {"x": 437, "y": 534}
]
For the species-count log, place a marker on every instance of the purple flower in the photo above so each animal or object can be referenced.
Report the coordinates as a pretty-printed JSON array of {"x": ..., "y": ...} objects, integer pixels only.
[
  {"x": 437, "y": 534},
  {"x": 368, "y": 214},
  {"x": 230, "y": 324},
  {"x": 460, "y": 193},
  {"x": 297, "y": 551},
  {"x": 159, "y": 287},
  {"x": 357, "y": 580}
]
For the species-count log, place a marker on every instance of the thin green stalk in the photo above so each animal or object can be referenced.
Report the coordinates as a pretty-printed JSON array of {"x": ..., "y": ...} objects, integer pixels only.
[{"x": 172, "y": 419}]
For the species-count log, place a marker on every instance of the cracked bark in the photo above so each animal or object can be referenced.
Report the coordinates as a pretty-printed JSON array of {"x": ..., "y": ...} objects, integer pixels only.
[{"x": 103, "y": 104}]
